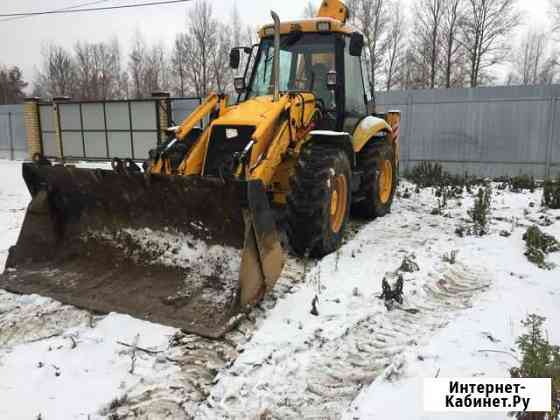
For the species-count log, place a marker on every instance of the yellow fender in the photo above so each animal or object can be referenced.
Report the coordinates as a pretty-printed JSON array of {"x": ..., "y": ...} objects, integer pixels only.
[{"x": 368, "y": 128}]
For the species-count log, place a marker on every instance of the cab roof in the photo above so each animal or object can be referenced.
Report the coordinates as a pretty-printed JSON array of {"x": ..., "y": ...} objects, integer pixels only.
[{"x": 308, "y": 25}]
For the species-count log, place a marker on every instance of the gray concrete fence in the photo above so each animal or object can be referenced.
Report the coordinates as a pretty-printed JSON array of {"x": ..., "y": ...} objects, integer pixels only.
[
  {"x": 89, "y": 130},
  {"x": 486, "y": 132},
  {"x": 13, "y": 144}
]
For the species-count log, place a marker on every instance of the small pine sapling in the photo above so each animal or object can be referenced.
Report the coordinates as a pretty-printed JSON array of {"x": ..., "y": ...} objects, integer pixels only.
[
  {"x": 551, "y": 194},
  {"x": 480, "y": 212},
  {"x": 540, "y": 359}
]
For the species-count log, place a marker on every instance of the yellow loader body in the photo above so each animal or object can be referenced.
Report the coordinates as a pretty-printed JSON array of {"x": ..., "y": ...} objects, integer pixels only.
[{"x": 193, "y": 240}]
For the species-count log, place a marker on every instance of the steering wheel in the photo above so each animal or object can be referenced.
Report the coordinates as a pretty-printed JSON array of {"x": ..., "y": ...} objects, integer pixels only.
[
  {"x": 323, "y": 110},
  {"x": 320, "y": 104}
]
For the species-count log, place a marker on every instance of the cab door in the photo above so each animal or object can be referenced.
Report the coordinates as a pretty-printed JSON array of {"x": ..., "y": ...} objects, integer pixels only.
[{"x": 355, "y": 98}]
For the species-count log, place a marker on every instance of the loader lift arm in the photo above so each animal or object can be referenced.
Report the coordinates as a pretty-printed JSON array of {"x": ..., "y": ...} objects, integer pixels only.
[
  {"x": 158, "y": 162},
  {"x": 205, "y": 109}
]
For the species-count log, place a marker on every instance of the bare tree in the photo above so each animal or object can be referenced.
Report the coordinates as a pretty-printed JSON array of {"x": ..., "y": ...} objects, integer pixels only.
[
  {"x": 98, "y": 67},
  {"x": 532, "y": 63},
  {"x": 242, "y": 34},
  {"x": 57, "y": 76},
  {"x": 250, "y": 37},
  {"x": 108, "y": 63},
  {"x": 371, "y": 18},
  {"x": 84, "y": 68},
  {"x": 417, "y": 61},
  {"x": 394, "y": 45},
  {"x": 555, "y": 12},
  {"x": 549, "y": 70},
  {"x": 124, "y": 86},
  {"x": 200, "y": 57},
  {"x": 453, "y": 62},
  {"x": 137, "y": 64},
  {"x": 222, "y": 73},
  {"x": 236, "y": 26},
  {"x": 200, "y": 41},
  {"x": 426, "y": 39},
  {"x": 156, "y": 70},
  {"x": 408, "y": 78},
  {"x": 531, "y": 57},
  {"x": 11, "y": 85},
  {"x": 178, "y": 64},
  {"x": 485, "y": 29},
  {"x": 148, "y": 67}
]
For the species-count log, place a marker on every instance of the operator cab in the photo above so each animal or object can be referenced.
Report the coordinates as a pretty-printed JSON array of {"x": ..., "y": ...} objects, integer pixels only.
[{"x": 321, "y": 56}]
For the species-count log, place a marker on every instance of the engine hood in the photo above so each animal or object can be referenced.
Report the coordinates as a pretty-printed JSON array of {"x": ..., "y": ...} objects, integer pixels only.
[{"x": 252, "y": 112}]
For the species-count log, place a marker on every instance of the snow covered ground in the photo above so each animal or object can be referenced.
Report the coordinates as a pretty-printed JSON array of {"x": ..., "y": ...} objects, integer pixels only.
[{"x": 355, "y": 359}]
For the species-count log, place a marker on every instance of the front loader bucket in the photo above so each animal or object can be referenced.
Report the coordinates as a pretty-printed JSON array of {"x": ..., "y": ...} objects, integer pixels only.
[{"x": 190, "y": 252}]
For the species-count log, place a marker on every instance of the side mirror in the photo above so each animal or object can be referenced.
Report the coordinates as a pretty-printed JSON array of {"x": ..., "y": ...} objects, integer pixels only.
[
  {"x": 356, "y": 44},
  {"x": 234, "y": 58},
  {"x": 239, "y": 85},
  {"x": 331, "y": 80}
]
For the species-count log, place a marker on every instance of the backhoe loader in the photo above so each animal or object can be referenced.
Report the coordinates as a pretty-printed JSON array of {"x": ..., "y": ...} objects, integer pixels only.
[{"x": 199, "y": 235}]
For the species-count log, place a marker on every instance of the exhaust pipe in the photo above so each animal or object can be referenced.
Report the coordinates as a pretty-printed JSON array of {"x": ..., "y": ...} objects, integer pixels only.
[{"x": 276, "y": 63}]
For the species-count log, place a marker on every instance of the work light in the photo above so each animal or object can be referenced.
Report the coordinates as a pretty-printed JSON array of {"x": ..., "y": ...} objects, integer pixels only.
[{"x": 323, "y": 26}]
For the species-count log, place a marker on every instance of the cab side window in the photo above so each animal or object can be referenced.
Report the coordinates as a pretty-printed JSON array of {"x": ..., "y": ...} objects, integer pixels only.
[{"x": 355, "y": 94}]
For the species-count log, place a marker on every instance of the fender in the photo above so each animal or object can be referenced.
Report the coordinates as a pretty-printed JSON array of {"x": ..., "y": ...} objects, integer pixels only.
[
  {"x": 368, "y": 128},
  {"x": 339, "y": 138}
]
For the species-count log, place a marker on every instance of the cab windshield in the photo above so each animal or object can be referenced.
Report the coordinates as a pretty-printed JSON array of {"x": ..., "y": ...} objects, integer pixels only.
[{"x": 305, "y": 60}]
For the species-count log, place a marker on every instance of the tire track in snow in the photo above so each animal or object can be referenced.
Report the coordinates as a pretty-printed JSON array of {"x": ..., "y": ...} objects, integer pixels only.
[
  {"x": 333, "y": 371},
  {"x": 320, "y": 377}
]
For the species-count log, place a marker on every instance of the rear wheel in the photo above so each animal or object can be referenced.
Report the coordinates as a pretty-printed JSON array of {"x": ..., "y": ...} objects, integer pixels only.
[
  {"x": 319, "y": 200},
  {"x": 377, "y": 162}
]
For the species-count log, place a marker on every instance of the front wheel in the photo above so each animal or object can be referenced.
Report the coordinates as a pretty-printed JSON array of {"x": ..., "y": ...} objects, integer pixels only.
[
  {"x": 377, "y": 163},
  {"x": 319, "y": 200}
]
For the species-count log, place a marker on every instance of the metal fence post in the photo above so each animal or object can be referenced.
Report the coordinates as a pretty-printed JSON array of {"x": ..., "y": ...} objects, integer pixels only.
[
  {"x": 11, "y": 135},
  {"x": 131, "y": 129},
  {"x": 550, "y": 140},
  {"x": 57, "y": 122},
  {"x": 82, "y": 130},
  {"x": 32, "y": 121},
  {"x": 106, "y": 130},
  {"x": 408, "y": 121}
]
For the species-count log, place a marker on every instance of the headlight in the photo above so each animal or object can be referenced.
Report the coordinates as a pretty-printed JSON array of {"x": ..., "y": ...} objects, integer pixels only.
[
  {"x": 324, "y": 26},
  {"x": 239, "y": 84}
]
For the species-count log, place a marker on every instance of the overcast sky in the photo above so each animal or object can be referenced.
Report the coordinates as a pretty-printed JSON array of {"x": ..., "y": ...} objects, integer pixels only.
[{"x": 21, "y": 40}]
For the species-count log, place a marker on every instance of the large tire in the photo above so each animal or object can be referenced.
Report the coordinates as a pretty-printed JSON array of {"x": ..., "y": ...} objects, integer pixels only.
[
  {"x": 379, "y": 182},
  {"x": 318, "y": 205}
]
